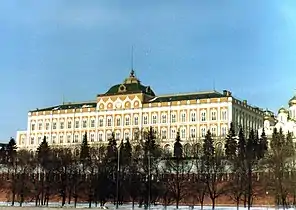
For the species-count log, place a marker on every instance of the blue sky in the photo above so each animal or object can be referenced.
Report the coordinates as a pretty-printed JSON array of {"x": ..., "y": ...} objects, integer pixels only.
[{"x": 80, "y": 48}]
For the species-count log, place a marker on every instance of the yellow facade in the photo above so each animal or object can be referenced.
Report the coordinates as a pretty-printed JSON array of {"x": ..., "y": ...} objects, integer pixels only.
[{"x": 129, "y": 108}]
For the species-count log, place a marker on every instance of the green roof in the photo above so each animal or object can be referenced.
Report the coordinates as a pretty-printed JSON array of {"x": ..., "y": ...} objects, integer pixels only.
[
  {"x": 187, "y": 96},
  {"x": 68, "y": 106},
  {"x": 129, "y": 89}
]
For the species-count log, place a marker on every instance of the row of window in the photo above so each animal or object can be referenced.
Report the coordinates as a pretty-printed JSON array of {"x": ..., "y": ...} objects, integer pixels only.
[
  {"x": 127, "y": 121},
  {"x": 76, "y": 138}
]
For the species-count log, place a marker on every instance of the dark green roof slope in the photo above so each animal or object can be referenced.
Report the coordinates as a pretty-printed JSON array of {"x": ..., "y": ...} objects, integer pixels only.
[
  {"x": 129, "y": 89},
  {"x": 68, "y": 106},
  {"x": 188, "y": 96}
]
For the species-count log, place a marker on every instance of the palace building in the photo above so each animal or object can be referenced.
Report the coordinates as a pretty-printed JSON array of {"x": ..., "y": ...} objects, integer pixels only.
[{"x": 127, "y": 109}]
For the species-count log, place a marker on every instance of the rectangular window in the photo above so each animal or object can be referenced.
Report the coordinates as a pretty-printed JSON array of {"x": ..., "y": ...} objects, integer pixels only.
[
  {"x": 32, "y": 140},
  {"x": 163, "y": 118},
  {"x": 101, "y": 122},
  {"x": 203, "y": 132},
  {"x": 183, "y": 117},
  {"x": 84, "y": 123},
  {"x": 154, "y": 119},
  {"x": 214, "y": 131},
  {"x": 145, "y": 120},
  {"x": 203, "y": 116},
  {"x": 76, "y": 124},
  {"x": 33, "y": 127},
  {"x": 127, "y": 121},
  {"x": 214, "y": 115},
  {"x": 61, "y": 139},
  {"x": 183, "y": 133},
  {"x": 126, "y": 135},
  {"x": 173, "y": 134},
  {"x": 69, "y": 139},
  {"x": 109, "y": 122},
  {"x": 92, "y": 137},
  {"x": 47, "y": 126},
  {"x": 54, "y": 138},
  {"x": 193, "y": 117},
  {"x": 62, "y": 125},
  {"x": 76, "y": 138},
  {"x": 100, "y": 137},
  {"x": 223, "y": 131},
  {"x": 163, "y": 134},
  {"x": 173, "y": 120},
  {"x": 117, "y": 136},
  {"x": 136, "y": 121},
  {"x": 92, "y": 123},
  {"x": 69, "y": 124},
  {"x": 224, "y": 115},
  {"x": 39, "y": 139},
  {"x": 40, "y": 126},
  {"x": 118, "y": 122},
  {"x": 192, "y": 133},
  {"x": 54, "y": 125}
]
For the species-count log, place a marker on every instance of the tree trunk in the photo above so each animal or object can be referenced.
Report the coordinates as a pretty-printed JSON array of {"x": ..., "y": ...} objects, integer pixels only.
[{"x": 213, "y": 203}]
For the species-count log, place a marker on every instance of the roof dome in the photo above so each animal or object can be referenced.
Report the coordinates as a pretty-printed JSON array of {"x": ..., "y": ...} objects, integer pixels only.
[
  {"x": 130, "y": 85},
  {"x": 268, "y": 115},
  {"x": 292, "y": 101},
  {"x": 282, "y": 110}
]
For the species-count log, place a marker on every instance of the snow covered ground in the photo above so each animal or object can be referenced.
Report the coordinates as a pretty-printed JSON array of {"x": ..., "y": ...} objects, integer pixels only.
[{"x": 129, "y": 207}]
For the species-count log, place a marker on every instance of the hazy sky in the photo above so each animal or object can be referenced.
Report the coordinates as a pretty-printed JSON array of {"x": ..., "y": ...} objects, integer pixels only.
[{"x": 80, "y": 48}]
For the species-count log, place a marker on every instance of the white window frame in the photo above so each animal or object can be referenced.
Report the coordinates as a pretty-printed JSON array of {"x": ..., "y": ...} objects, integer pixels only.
[
  {"x": 183, "y": 116},
  {"x": 163, "y": 118},
  {"x": 173, "y": 133},
  {"x": 118, "y": 121},
  {"x": 173, "y": 118},
  {"x": 40, "y": 125},
  {"x": 92, "y": 137},
  {"x": 214, "y": 131},
  {"x": 69, "y": 137},
  {"x": 47, "y": 126},
  {"x": 109, "y": 121},
  {"x": 203, "y": 116},
  {"x": 69, "y": 124},
  {"x": 76, "y": 138},
  {"x": 163, "y": 134},
  {"x": 183, "y": 133},
  {"x": 117, "y": 135},
  {"x": 127, "y": 121},
  {"x": 203, "y": 131},
  {"x": 100, "y": 136},
  {"x": 136, "y": 120},
  {"x": 193, "y": 116},
  {"x": 192, "y": 132},
  {"x": 61, "y": 139},
  {"x": 214, "y": 115},
  {"x": 62, "y": 125},
  {"x": 54, "y": 125},
  {"x": 154, "y": 119},
  {"x": 92, "y": 123},
  {"x": 84, "y": 123},
  {"x": 145, "y": 120},
  {"x": 77, "y": 124},
  {"x": 101, "y": 122},
  {"x": 54, "y": 139}
]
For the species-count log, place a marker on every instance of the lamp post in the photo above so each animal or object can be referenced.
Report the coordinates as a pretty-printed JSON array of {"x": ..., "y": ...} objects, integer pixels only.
[
  {"x": 117, "y": 177},
  {"x": 149, "y": 180},
  {"x": 267, "y": 199}
]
